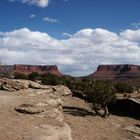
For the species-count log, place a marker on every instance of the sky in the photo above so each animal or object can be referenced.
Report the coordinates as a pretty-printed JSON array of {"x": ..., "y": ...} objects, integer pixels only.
[{"x": 75, "y": 35}]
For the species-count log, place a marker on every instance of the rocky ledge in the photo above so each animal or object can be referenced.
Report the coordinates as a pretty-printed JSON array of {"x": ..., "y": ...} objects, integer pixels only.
[{"x": 31, "y": 111}]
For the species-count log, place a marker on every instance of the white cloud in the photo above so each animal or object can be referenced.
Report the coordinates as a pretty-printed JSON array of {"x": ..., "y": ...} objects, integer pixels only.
[
  {"x": 136, "y": 24},
  {"x": 32, "y": 16},
  {"x": 39, "y": 3},
  {"x": 78, "y": 55},
  {"x": 50, "y": 20},
  {"x": 133, "y": 35},
  {"x": 66, "y": 34}
]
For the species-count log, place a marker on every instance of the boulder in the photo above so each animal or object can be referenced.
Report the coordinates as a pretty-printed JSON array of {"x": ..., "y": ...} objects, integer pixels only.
[
  {"x": 62, "y": 90},
  {"x": 11, "y": 85}
]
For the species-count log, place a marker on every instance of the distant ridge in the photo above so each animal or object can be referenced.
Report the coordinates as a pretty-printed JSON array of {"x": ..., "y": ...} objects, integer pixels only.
[
  {"x": 123, "y": 71},
  {"x": 27, "y": 69}
]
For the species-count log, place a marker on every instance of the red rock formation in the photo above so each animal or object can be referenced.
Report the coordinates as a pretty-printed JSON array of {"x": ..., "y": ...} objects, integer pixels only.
[
  {"x": 116, "y": 72},
  {"x": 27, "y": 69}
]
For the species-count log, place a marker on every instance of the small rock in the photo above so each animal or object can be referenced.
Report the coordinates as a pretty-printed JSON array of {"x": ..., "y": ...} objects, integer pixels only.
[{"x": 29, "y": 109}]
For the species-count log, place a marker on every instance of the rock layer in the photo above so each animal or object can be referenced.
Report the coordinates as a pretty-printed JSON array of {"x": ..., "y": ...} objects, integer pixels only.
[
  {"x": 116, "y": 72},
  {"x": 27, "y": 69}
]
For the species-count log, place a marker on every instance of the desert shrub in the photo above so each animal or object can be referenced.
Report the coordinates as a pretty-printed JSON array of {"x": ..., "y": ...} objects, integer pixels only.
[
  {"x": 6, "y": 74},
  {"x": 66, "y": 80},
  {"x": 100, "y": 94},
  {"x": 20, "y": 76},
  {"x": 34, "y": 76},
  {"x": 123, "y": 88},
  {"x": 77, "y": 88},
  {"x": 49, "y": 79}
]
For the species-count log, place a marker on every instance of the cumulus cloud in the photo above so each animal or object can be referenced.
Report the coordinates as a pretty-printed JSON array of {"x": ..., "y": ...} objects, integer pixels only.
[
  {"x": 39, "y": 3},
  {"x": 80, "y": 54},
  {"x": 133, "y": 35},
  {"x": 50, "y": 20}
]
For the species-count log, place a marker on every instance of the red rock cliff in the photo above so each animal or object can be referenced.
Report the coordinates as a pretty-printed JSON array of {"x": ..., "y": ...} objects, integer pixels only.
[
  {"x": 27, "y": 69},
  {"x": 116, "y": 71}
]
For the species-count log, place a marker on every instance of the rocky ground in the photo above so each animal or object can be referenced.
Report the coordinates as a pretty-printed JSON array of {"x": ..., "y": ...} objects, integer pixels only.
[
  {"x": 88, "y": 126},
  {"x": 34, "y": 112}
]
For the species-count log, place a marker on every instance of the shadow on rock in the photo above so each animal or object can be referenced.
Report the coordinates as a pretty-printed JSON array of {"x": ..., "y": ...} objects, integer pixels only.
[
  {"x": 125, "y": 108},
  {"x": 76, "y": 111}
]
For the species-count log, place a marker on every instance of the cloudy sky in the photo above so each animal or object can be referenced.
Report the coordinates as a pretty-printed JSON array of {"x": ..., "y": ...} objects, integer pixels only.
[{"x": 76, "y": 35}]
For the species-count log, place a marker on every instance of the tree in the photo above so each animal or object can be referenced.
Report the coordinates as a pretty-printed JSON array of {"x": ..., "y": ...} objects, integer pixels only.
[{"x": 100, "y": 94}]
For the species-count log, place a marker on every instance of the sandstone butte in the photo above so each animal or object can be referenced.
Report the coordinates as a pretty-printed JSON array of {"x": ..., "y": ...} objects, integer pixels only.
[
  {"x": 124, "y": 71},
  {"x": 27, "y": 69}
]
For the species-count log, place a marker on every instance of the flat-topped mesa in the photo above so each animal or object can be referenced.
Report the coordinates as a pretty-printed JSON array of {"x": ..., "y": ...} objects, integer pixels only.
[
  {"x": 116, "y": 71},
  {"x": 27, "y": 69}
]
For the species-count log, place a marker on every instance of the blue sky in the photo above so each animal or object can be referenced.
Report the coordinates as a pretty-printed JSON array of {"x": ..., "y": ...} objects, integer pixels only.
[
  {"x": 73, "y": 15},
  {"x": 76, "y": 35}
]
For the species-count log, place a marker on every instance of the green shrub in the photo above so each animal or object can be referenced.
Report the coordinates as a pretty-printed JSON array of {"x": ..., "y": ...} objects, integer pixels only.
[
  {"x": 34, "y": 76},
  {"x": 49, "y": 79},
  {"x": 100, "y": 94},
  {"x": 20, "y": 76},
  {"x": 123, "y": 88}
]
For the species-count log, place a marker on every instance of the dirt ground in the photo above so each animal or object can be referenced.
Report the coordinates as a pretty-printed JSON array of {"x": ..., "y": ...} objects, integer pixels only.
[
  {"x": 87, "y": 126},
  {"x": 84, "y": 124}
]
